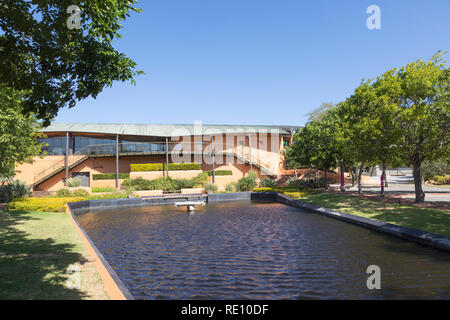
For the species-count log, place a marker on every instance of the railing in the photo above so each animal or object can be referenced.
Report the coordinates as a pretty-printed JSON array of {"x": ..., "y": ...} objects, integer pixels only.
[
  {"x": 58, "y": 166},
  {"x": 239, "y": 151}
]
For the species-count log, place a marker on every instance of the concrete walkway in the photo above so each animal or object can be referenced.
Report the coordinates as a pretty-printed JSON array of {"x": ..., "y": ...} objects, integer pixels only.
[{"x": 402, "y": 187}]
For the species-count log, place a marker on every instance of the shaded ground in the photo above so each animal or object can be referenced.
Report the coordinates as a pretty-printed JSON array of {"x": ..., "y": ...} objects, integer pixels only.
[
  {"x": 397, "y": 198},
  {"x": 426, "y": 219},
  {"x": 36, "y": 249}
]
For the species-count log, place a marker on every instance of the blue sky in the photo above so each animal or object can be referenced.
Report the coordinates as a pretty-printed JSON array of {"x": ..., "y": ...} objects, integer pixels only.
[{"x": 259, "y": 61}]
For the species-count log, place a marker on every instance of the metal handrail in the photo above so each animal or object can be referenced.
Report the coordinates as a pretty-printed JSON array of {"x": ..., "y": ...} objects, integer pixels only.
[{"x": 95, "y": 148}]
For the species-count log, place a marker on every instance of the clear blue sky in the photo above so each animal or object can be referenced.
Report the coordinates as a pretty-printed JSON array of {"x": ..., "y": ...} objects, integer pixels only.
[{"x": 259, "y": 61}]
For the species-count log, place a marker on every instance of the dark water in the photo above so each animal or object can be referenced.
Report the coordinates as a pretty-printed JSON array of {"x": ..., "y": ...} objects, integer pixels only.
[{"x": 255, "y": 250}]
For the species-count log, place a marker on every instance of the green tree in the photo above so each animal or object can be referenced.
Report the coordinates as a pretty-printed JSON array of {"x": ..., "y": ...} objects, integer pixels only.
[
  {"x": 18, "y": 135},
  {"x": 419, "y": 94},
  {"x": 357, "y": 135},
  {"x": 320, "y": 112},
  {"x": 54, "y": 65},
  {"x": 315, "y": 146}
]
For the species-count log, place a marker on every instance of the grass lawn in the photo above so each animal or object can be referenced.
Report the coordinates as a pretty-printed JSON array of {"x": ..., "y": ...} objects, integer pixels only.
[
  {"x": 36, "y": 249},
  {"x": 426, "y": 219}
]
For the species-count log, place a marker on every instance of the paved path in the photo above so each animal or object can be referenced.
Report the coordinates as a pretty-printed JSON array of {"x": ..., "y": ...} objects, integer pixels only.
[{"x": 403, "y": 187}]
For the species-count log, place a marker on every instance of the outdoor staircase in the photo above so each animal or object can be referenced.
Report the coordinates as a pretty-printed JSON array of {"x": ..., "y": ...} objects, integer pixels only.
[
  {"x": 56, "y": 168},
  {"x": 245, "y": 158}
]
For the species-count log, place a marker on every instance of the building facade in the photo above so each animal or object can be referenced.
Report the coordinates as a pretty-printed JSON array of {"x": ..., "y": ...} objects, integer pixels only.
[{"x": 84, "y": 150}]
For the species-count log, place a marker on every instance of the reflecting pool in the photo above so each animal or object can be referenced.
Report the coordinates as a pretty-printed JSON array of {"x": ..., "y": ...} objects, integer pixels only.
[{"x": 259, "y": 250}]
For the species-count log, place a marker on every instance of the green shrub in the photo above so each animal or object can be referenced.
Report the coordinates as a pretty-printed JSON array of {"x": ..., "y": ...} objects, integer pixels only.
[
  {"x": 230, "y": 187},
  {"x": 183, "y": 166},
  {"x": 198, "y": 181},
  {"x": 162, "y": 167},
  {"x": 141, "y": 184},
  {"x": 210, "y": 188},
  {"x": 102, "y": 189},
  {"x": 442, "y": 179},
  {"x": 268, "y": 182},
  {"x": 75, "y": 182},
  {"x": 13, "y": 190},
  {"x": 311, "y": 183},
  {"x": 41, "y": 204},
  {"x": 434, "y": 168},
  {"x": 247, "y": 183},
  {"x": 80, "y": 193},
  {"x": 110, "y": 176},
  {"x": 295, "y": 192},
  {"x": 63, "y": 193},
  {"x": 146, "y": 167},
  {"x": 221, "y": 173},
  {"x": 165, "y": 184}
]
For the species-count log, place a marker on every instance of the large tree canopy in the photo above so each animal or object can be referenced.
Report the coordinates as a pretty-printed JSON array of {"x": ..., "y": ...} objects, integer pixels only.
[
  {"x": 18, "y": 141},
  {"x": 54, "y": 65},
  {"x": 314, "y": 145},
  {"x": 402, "y": 117}
]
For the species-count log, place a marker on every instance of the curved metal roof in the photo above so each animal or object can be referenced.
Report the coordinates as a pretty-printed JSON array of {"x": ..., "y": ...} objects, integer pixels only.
[{"x": 164, "y": 130}]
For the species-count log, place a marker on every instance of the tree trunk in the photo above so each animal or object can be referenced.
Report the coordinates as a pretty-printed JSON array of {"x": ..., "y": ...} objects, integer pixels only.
[
  {"x": 418, "y": 181},
  {"x": 342, "y": 175},
  {"x": 353, "y": 173},
  {"x": 359, "y": 178},
  {"x": 383, "y": 179},
  {"x": 385, "y": 176},
  {"x": 325, "y": 178}
]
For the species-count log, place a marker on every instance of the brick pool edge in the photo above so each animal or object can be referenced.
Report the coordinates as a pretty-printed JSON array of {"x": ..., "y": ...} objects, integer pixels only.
[{"x": 117, "y": 290}]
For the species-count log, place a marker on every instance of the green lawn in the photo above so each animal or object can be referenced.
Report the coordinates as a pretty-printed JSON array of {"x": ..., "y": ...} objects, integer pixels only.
[
  {"x": 36, "y": 249},
  {"x": 430, "y": 220}
]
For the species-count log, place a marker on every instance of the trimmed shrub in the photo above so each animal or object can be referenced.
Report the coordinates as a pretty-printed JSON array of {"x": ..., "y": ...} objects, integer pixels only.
[
  {"x": 110, "y": 176},
  {"x": 41, "y": 204},
  {"x": 230, "y": 187},
  {"x": 63, "y": 193},
  {"x": 210, "y": 188},
  {"x": 162, "y": 167},
  {"x": 295, "y": 192},
  {"x": 221, "y": 173},
  {"x": 183, "y": 166},
  {"x": 146, "y": 167},
  {"x": 102, "y": 189},
  {"x": 13, "y": 190},
  {"x": 268, "y": 182},
  {"x": 247, "y": 183}
]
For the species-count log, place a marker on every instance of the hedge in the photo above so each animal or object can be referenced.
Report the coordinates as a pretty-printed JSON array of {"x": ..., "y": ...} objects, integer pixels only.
[
  {"x": 184, "y": 166},
  {"x": 221, "y": 173},
  {"x": 162, "y": 167},
  {"x": 146, "y": 167},
  {"x": 109, "y": 176},
  {"x": 41, "y": 204}
]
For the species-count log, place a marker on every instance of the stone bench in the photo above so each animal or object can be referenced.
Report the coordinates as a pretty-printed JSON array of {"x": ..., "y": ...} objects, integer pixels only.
[
  {"x": 149, "y": 193},
  {"x": 192, "y": 191}
]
